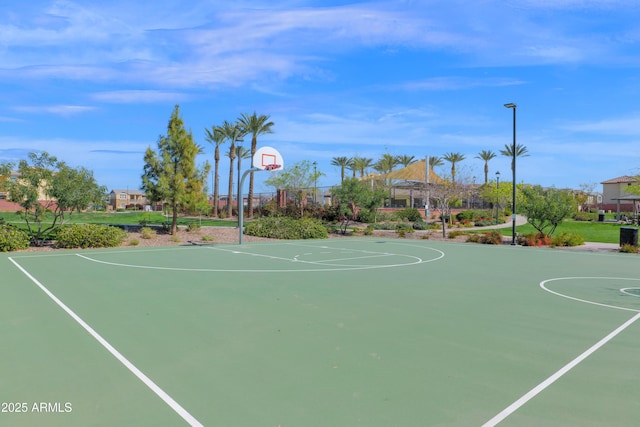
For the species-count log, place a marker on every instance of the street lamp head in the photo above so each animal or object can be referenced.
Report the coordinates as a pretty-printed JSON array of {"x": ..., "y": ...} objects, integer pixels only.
[
  {"x": 510, "y": 105},
  {"x": 498, "y": 174}
]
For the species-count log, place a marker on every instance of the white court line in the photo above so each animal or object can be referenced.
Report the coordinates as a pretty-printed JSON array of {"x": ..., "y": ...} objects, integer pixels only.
[
  {"x": 137, "y": 372},
  {"x": 553, "y": 378}
]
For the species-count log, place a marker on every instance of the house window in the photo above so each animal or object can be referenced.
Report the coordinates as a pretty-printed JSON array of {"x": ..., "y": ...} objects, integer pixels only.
[{"x": 123, "y": 196}]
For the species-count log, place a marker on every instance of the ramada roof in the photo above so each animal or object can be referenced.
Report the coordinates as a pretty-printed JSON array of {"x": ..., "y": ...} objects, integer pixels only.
[{"x": 621, "y": 180}]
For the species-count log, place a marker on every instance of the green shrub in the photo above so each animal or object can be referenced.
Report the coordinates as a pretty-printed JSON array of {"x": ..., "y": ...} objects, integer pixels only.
[
  {"x": 12, "y": 239},
  {"x": 89, "y": 236},
  {"x": 584, "y": 216},
  {"x": 365, "y": 216},
  {"x": 369, "y": 230},
  {"x": 420, "y": 225},
  {"x": 403, "y": 229},
  {"x": 409, "y": 214},
  {"x": 567, "y": 239},
  {"x": 148, "y": 233},
  {"x": 193, "y": 226},
  {"x": 286, "y": 228},
  {"x": 134, "y": 242}
]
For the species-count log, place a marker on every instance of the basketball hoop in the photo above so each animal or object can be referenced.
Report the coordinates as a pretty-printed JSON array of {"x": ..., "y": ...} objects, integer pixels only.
[{"x": 271, "y": 167}]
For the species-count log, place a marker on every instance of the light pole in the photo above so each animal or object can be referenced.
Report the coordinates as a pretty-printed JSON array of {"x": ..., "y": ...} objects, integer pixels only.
[
  {"x": 513, "y": 169},
  {"x": 497, "y": 195},
  {"x": 315, "y": 182}
]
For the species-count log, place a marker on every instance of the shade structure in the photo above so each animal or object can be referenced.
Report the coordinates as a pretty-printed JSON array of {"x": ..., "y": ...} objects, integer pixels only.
[{"x": 415, "y": 172}]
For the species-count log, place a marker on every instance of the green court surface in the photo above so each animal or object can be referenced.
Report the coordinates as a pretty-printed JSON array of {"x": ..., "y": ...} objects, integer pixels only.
[{"x": 340, "y": 332}]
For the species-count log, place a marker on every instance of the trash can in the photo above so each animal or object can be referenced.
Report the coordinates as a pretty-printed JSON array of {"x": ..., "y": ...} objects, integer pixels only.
[
  {"x": 628, "y": 236},
  {"x": 600, "y": 216}
]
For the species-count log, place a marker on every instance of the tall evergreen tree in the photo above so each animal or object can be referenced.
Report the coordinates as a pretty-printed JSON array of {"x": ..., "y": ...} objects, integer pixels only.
[{"x": 171, "y": 174}]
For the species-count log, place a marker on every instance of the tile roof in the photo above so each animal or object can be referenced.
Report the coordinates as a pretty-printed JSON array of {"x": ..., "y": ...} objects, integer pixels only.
[{"x": 621, "y": 179}]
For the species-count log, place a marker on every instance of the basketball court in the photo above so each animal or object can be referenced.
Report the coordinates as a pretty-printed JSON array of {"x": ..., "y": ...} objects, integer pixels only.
[{"x": 341, "y": 332}]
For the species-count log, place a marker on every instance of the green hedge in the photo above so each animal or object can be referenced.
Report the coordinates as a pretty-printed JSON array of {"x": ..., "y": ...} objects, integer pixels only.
[
  {"x": 12, "y": 239},
  {"x": 89, "y": 236},
  {"x": 286, "y": 228}
]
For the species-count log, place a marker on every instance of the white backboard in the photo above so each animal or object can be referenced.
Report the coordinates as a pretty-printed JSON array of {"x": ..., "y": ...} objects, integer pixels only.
[{"x": 268, "y": 158}]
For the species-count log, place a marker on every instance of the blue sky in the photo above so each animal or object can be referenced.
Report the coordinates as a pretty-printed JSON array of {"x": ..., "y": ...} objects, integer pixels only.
[{"x": 94, "y": 82}]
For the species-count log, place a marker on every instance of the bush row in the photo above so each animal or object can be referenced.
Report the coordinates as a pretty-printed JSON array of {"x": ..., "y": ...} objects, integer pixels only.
[
  {"x": 12, "y": 239},
  {"x": 89, "y": 236},
  {"x": 286, "y": 228}
]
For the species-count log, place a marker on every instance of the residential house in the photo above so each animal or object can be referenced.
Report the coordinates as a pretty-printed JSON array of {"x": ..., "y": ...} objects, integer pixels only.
[
  {"x": 127, "y": 199},
  {"x": 616, "y": 196}
]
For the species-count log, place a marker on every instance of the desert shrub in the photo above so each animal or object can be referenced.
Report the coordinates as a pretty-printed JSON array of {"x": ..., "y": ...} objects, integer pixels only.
[
  {"x": 193, "y": 227},
  {"x": 629, "y": 249},
  {"x": 175, "y": 239},
  {"x": 488, "y": 238},
  {"x": 419, "y": 225},
  {"x": 208, "y": 238},
  {"x": 455, "y": 233},
  {"x": 134, "y": 242},
  {"x": 89, "y": 236},
  {"x": 384, "y": 226},
  {"x": 12, "y": 239},
  {"x": 148, "y": 233},
  {"x": 403, "y": 229},
  {"x": 567, "y": 239},
  {"x": 534, "y": 239},
  {"x": 369, "y": 230},
  {"x": 286, "y": 228},
  {"x": 409, "y": 214}
]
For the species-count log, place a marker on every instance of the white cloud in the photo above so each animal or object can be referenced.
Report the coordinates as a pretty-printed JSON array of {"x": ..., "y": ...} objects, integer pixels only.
[
  {"x": 58, "y": 110},
  {"x": 139, "y": 96},
  {"x": 617, "y": 126}
]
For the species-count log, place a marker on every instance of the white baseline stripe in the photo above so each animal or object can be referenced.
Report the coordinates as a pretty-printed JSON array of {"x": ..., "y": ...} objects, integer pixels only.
[
  {"x": 553, "y": 378},
  {"x": 137, "y": 372}
]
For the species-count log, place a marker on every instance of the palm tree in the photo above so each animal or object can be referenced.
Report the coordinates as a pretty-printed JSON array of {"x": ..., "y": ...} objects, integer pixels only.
[
  {"x": 217, "y": 138},
  {"x": 453, "y": 158},
  {"x": 486, "y": 155},
  {"x": 521, "y": 151},
  {"x": 361, "y": 164},
  {"x": 405, "y": 160},
  {"x": 241, "y": 153},
  {"x": 232, "y": 132},
  {"x": 435, "y": 161},
  {"x": 255, "y": 125},
  {"x": 385, "y": 164},
  {"x": 342, "y": 162}
]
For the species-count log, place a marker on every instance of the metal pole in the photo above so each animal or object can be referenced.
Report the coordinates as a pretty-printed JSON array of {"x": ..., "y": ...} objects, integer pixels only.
[
  {"x": 513, "y": 196},
  {"x": 513, "y": 170},
  {"x": 241, "y": 211},
  {"x": 426, "y": 204}
]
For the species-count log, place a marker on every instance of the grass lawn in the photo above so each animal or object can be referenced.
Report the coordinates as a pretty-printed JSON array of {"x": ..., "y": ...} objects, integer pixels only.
[{"x": 603, "y": 232}]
